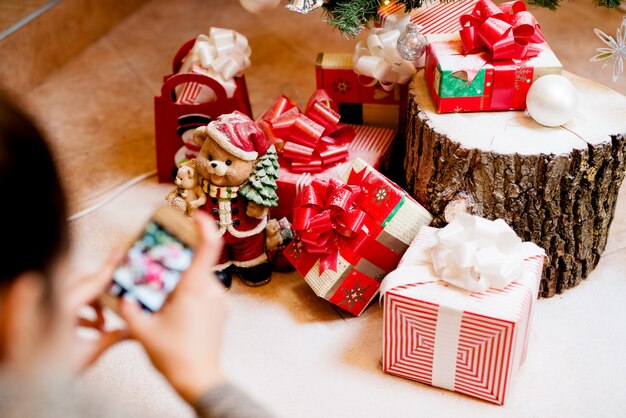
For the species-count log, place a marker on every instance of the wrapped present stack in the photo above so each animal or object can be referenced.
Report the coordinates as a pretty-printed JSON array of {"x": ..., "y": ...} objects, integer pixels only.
[
  {"x": 459, "y": 307},
  {"x": 350, "y": 234},
  {"x": 370, "y": 86},
  {"x": 470, "y": 146},
  {"x": 314, "y": 145}
]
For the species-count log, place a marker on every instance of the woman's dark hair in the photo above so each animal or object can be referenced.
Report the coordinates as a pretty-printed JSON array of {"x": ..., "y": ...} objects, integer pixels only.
[{"x": 33, "y": 218}]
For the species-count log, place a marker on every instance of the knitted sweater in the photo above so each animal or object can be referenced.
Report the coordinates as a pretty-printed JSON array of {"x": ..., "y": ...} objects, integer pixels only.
[{"x": 57, "y": 397}]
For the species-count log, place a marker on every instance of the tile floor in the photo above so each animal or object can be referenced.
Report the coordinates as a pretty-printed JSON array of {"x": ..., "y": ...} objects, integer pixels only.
[{"x": 284, "y": 345}]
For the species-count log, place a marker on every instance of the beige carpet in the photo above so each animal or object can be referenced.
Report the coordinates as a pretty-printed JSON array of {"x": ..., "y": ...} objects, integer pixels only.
[{"x": 283, "y": 344}]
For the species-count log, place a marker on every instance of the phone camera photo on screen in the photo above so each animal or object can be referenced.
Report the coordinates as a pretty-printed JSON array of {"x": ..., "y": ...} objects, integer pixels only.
[{"x": 152, "y": 267}]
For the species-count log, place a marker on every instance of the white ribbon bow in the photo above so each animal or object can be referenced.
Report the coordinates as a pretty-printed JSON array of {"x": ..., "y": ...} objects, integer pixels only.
[
  {"x": 475, "y": 254},
  {"x": 378, "y": 57},
  {"x": 471, "y": 253},
  {"x": 224, "y": 53}
]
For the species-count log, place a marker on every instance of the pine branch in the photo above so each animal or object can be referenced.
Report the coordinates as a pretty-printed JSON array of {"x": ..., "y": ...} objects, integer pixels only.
[
  {"x": 351, "y": 16},
  {"x": 549, "y": 4},
  {"x": 609, "y": 4}
]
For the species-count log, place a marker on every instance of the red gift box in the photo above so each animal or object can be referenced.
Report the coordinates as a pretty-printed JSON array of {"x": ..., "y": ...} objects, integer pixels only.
[
  {"x": 444, "y": 336},
  {"x": 371, "y": 144},
  {"x": 359, "y": 101},
  {"x": 313, "y": 145},
  {"x": 350, "y": 234},
  {"x": 174, "y": 122},
  {"x": 491, "y": 63}
]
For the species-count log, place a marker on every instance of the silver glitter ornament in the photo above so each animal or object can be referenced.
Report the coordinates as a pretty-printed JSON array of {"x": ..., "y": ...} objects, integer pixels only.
[
  {"x": 411, "y": 44},
  {"x": 304, "y": 6}
]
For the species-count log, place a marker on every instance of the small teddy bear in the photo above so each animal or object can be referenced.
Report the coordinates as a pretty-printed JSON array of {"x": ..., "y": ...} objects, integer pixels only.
[
  {"x": 273, "y": 238},
  {"x": 238, "y": 167},
  {"x": 188, "y": 194},
  {"x": 278, "y": 234}
]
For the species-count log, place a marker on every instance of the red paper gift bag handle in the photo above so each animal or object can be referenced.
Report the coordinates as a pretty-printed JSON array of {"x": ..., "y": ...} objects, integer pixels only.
[
  {"x": 167, "y": 90},
  {"x": 181, "y": 54}
]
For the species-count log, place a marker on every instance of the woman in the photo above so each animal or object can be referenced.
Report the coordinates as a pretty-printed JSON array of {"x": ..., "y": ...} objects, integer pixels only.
[{"x": 40, "y": 354}]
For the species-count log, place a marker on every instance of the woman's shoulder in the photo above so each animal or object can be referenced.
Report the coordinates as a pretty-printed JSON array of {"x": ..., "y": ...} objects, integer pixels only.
[{"x": 51, "y": 396}]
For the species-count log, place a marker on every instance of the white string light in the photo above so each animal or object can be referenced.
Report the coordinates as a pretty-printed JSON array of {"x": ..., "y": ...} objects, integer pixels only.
[{"x": 112, "y": 196}]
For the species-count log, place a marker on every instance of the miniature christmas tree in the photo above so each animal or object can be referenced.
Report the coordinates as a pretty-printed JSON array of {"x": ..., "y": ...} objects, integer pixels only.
[{"x": 261, "y": 185}]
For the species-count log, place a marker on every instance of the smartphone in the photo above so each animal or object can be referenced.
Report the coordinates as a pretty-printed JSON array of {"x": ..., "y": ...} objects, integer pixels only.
[{"x": 154, "y": 262}]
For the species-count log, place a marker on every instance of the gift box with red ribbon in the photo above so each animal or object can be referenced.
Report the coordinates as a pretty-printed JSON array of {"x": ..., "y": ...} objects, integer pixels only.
[
  {"x": 458, "y": 309},
  {"x": 492, "y": 61},
  {"x": 314, "y": 145},
  {"x": 351, "y": 233},
  {"x": 359, "y": 100}
]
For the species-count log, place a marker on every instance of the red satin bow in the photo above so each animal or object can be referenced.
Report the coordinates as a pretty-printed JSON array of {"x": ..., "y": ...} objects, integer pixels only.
[
  {"x": 508, "y": 30},
  {"x": 312, "y": 141},
  {"x": 325, "y": 213}
]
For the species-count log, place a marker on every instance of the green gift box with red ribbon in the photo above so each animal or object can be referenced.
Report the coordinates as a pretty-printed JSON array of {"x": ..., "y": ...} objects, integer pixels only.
[
  {"x": 351, "y": 233},
  {"x": 491, "y": 62}
]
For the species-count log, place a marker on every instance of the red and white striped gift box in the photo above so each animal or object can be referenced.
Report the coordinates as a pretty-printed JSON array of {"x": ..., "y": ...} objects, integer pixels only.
[
  {"x": 471, "y": 343},
  {"x": 434, "y": 18}
]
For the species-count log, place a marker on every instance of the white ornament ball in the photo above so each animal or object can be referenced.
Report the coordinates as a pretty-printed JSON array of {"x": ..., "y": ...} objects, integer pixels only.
[
  {"x": 552, "y": 100},
  {"x": 259, "y": 6}
]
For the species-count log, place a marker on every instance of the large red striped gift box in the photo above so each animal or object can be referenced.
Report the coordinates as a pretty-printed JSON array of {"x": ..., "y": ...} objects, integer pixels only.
[
  {"x": 469, "y": 342},
  {"x": 349, "y": 234}
]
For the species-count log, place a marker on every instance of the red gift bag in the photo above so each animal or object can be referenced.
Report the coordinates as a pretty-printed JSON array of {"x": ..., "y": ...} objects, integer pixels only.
[{"x": 174, "y": 122}]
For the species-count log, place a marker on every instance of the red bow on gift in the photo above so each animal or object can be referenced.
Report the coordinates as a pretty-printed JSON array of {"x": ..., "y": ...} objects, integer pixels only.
[
  {"x": 508, "y": 30},
  {"x": 325, "y": 213},
  {"x": 312, "y": 141}
]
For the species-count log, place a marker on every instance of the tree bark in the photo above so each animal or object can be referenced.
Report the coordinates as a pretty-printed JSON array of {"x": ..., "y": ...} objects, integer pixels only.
[{"x": 556, "y": 187}]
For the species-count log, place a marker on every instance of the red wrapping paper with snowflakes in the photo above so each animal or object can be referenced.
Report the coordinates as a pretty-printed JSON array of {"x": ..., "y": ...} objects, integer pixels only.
[
  {"x": 469, "y": 342},
  {"x": 359, "y": 100},
  {"x": 314, "y": 145},
  {"x": 351, "y": 233}
]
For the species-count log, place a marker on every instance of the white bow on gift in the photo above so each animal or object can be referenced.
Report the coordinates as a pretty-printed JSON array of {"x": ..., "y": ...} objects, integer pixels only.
[
  {"x": 377, "y": 57},
  {"x": 475, "y": 254},
  {"x": 471, "y": 253},
  {"x": 224, "y": 53}
]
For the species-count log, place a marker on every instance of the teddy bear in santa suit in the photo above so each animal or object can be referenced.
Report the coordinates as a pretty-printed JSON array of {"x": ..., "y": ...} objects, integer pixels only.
[{"x": 231, "y": 148}]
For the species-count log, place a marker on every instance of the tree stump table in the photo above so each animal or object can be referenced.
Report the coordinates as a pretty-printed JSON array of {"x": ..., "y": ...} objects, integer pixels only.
[{"x": 556, "y": 187}]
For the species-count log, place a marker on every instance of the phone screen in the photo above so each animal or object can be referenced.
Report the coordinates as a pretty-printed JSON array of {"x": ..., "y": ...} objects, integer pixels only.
[{"x": 152, "y": 267}]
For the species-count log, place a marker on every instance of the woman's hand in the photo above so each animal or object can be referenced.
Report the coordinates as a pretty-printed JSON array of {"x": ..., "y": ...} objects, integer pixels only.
[
  {"x": 64, "y": 344},
  {"x": 184, "y": 338}
]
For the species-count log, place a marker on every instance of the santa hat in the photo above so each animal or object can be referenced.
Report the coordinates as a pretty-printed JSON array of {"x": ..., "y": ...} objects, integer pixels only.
[{"x": 239, "y": 135}]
